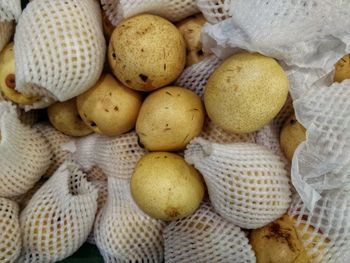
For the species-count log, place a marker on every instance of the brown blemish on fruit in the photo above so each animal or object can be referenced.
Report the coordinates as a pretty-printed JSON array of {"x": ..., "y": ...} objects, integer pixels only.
[
  {"x": 282, "y": 235},
  {"x": 11, "y": 81},
  {"x": 200, "y": 52},
  {"x": 292, "y": 121},
  {"x": 172, "y": 212},
  {"x": 167, "y": 92},
  {"x": 143, "y": 77},
  {"x": 93, "y": 124},
  {"x": 116, "y": 108}
]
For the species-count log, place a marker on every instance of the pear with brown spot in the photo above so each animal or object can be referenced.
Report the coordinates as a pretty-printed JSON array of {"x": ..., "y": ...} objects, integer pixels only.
[
  {"x": 109, "y": 107},
  {"x": 146, "y": 52},
  {"x": 278, "y": 242},
  {"x": 292, "y": 134},
  {"x": 169, "y": 119},
  {"x": 165, "y": 187},
  {"x": 8, "y": 78},
  {"x": 342, "y": 69}
]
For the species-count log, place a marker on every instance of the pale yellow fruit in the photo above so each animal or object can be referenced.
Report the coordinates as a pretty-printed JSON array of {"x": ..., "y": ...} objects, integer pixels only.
[
  {"x": 8, "y": 78},
  {"x": 146, "y": 52},
  {"x": 165, "y": 187},
  {"x": 246, "y": 92},
  {"x": 169, "y": 119},
  {"x": 278, "y": 242},
  {"x": 342, "y": 69},
  {"x": 191, "y": 29},
  {"x": 109, "y": 107},
  {"x": 292, "y": 134},
  {"x": 64, "y": 117}
]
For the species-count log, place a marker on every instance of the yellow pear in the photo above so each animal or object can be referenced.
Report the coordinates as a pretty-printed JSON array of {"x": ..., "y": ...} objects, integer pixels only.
[
  {"x": 278, "y": 242},
  {"x": 8, "y": 78},
  {"x": 109, "y": 107},
  {"x": 246, "y": 92},
  {"x": 342, "y": 69},
  {"x": 292, "y": 134},
  {"x": 64, "y": 117},
  {"x": 165, "y": 187}
]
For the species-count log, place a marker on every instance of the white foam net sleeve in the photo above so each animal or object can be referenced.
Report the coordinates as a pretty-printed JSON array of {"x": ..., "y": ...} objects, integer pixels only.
[
  {"x": 173, "y": 10},
  {"x": 59, "y": 217},
  {"x": 10, "y": 10},
  {"x": 215, "y": 11},
  {"x": 123, "y": 233},
  {"x": 269, "y": 135},
  {"x": 115, "y": 156},
  {"x": 24, "y": 153},
  {"x": 206, "y": 237},
  {"x": 247, "y": 183},
  {"x": 7, "y": 28},
  {"x": 65, "y": 53},
  {"x": 56, "y": 141},
  {"x": 10, "y": 238},
  {"x": 322, "y": 162},
  {"x": 214, "y": 133},
  {"x": 195, "y": 77},
  {"x": 102, "y": 187},
  {"x": 96, "y": 174},
  {"x": 325, "y": 230}
]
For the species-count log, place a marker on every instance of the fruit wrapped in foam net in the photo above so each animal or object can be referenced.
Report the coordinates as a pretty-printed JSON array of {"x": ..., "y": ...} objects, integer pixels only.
[
  {"x": 24, "y": 153},
  {"x": 173, "y": 10},
  {"x": 59, "y": 217},
  {"x": 65, "y": 54},
  {"x": 10, "y": 238},
  {"x": 206, "y": 236},
  {"x": 115, "y": 156},
  {"x": 247, "y": 184}
]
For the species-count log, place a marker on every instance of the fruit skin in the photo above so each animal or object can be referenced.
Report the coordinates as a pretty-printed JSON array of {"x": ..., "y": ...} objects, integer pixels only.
[
  {"x": 109, "y": 107},
  {"x": 8, "y": 78},
  {"x": 165, "y": 187},
  {"x": 292, "y": 134},
  {"x": 146, "y": 52},
  {"x": 191, "y": 29},
  {"x": 278, "y": 242},
  {"x": 169, "y": 119},
  {"x": 64, "y": 117},
  {"x": 342, "y": 69},
  {"x": 245, "y": 92}
]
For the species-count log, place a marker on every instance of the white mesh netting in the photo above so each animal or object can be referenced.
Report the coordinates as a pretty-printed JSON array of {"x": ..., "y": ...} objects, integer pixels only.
[
  {"x": 215, "y": 10},
  {"x": 56, "y": 141},
  {"x": 247, "y": 184},
  {"x": 24, "y": 153},
  {"x": 269, "y": 135},
  {"x": 325, "y": 230},
  {"x": 196, "y": 76},
  {"x": 323, "y": 161},
  {"x": 123, "y": 233},
  {"x": 206, "y": 237},
  {"x": 115, "y": 156},
  {"x": 96, "y": 174},
  {"x": 10, "y": 10},
  {"x": 28, "y": 117},
  {"x": 173, "y": 10},
  {"x": 64, "y": 55},
  {"x": 214, "y": 133},
  {"x": 24, "y": 199},
  {"x": 102, "y": 187},
  {"x": 6, "y": 30},
  {"x": 10, "y": 238},
  {"x": 59, "y": 217}
]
